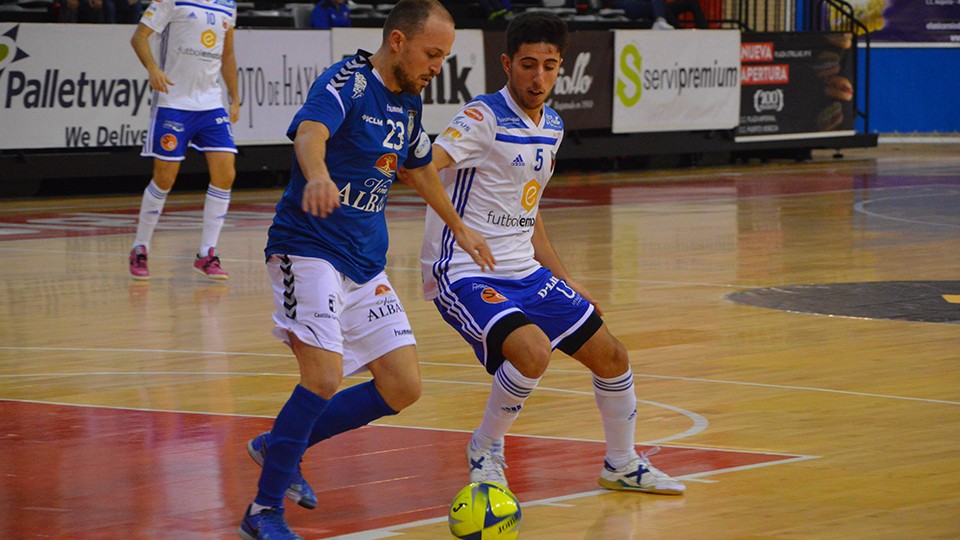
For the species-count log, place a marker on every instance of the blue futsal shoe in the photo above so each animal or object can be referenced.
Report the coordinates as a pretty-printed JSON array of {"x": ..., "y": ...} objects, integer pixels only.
[
  {"x": 299, "y": 491},
  {"x": 267, "y": 525}
]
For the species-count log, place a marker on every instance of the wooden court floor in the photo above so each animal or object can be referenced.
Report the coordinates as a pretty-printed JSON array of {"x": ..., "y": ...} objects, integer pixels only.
[{"x": 794, "y": 329}]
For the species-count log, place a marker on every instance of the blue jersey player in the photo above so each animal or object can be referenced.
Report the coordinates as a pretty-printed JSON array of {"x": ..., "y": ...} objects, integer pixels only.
[
  {"x": 326, "y": 251},
  {"x": 497, "y": 156}
]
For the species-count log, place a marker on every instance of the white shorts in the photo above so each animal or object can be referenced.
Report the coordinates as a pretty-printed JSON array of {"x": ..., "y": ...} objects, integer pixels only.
[{"x": 327, "y": 310}]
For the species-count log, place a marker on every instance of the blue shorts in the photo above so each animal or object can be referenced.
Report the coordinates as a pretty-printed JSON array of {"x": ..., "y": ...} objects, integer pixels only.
[
  {"x": 486, "y": 310},
  {"x": 171, "y": 130}
]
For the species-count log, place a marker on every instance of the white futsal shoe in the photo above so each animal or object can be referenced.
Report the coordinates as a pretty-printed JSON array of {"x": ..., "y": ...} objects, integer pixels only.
[
  {"x": 639, "y": 475},
  {"x": 486, "y": 465}
]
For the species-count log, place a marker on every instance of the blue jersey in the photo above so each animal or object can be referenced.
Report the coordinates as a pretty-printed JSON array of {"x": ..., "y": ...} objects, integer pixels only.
[{"x": 372, "y": 131}]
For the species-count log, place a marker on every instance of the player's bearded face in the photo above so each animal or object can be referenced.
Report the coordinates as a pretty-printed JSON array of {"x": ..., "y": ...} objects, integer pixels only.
[
  {"x": 531, "y": 74},
  {"x": 410, "y": 83},
  {"x": 422, "y": 56}
]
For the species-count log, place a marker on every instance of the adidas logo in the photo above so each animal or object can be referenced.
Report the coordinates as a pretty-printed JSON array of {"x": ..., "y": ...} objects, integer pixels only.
[{"x": 518, "y": 161}]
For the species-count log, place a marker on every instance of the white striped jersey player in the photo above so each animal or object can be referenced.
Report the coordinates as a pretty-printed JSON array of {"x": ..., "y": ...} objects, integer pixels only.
[
  {"x": 504, "y": 162},
  {"x": 191, "y": 50}
]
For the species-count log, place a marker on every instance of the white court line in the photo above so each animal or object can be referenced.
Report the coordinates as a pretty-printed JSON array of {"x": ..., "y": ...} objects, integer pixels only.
[
  {"x": 861, "y": 207},
  {"x": 474, "y": 367},
  {"x": 391, "y": 532},
  {"x": 700, "y": 423},
  {"x": 396, "y": 426}
]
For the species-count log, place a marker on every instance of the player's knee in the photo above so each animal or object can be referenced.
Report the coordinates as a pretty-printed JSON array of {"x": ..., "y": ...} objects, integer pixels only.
[
  {"x": 615, "y": 362},
  {"x": 401, "y": 393},
  {"x": 410, "y": 394},
  {"x": 324, "y": 387},
  {"x": 620, "y": 360},
  {"x": 226, "y": 179},
  {"x": 533, "y": 363},
  {"x": 528, "y": 349},
  {"x": 164, "y": 181}
]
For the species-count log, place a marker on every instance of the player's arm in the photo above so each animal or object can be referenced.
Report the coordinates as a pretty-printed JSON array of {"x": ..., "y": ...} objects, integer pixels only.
[
  {"x": 320, "y": 195},
  {"x": 427, "y": 183},
  {"x": 441, "y": 159},
  {"x": 544, "y": 253},
  {"x": 228, "y": 69},
  {"x": 158, "y": 79}
]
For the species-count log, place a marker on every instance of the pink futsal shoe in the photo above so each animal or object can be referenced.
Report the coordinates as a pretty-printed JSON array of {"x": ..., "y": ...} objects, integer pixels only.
[
  {"x": 210, "y": 266},
  {"x": 138, "y": 264}
]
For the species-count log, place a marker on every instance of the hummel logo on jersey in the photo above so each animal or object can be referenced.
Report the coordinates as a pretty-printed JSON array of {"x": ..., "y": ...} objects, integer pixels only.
[
  {"x": 192, "y": 15},
  {"x": 518, "y": 161}
]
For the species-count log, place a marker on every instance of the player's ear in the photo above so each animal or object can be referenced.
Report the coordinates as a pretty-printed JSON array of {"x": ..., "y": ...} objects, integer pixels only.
[
  {"x": 505, "y": 61},
  {"x": 395, "y": 40}
]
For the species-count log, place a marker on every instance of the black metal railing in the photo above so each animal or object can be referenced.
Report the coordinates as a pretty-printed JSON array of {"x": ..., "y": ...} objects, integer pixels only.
[{"x": 761, "y": 15}]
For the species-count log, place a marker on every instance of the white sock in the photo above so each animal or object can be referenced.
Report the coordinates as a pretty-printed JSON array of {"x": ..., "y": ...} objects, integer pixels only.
[
  {"x": 151, "y": 206},
  {"x": 214, "y": 211},
  {"x": 617, "y": 402},
  {"x": 507, "y": 394}
]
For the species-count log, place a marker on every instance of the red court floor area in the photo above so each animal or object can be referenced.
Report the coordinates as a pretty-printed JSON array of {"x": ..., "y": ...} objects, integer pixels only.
[{"x": 87, "y": 472}]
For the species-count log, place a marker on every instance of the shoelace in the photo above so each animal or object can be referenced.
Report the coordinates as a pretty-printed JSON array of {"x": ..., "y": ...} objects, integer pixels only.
[
  {"x": 214, "y": 261},
  {"x": 645, "y": 460},
  {"x": 496, "y": 458},
  {"x": 645, "y": 456},
  {"x": 140, "y": 260},
  {"x": 499, "y": 459}
]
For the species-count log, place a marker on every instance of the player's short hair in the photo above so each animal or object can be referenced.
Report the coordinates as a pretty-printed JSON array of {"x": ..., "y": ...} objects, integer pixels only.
[
  {"x": 410, "y": 16},
  {"x": 536, "y": 27}
]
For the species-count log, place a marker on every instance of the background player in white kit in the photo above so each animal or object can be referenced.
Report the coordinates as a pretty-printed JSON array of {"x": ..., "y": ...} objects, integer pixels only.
[
  {"x": 196, "y": 47},
  {"x": 500, "y": 151}
]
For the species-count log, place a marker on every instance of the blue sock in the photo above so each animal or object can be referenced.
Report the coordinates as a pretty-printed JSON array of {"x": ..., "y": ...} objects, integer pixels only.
[
  {"x": 349, "y": 409},
  {"x": 288, "y": 441}
]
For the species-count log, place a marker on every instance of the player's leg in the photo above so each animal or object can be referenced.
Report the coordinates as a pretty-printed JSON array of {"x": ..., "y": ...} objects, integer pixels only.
[
  {"x": 302, "y": 288},
  {"x": 215, "y": 139},
  {"x": 166, "y": 143},
  {"x": 527, "y": 353},
  {"x": 320, "y": 374},
  {"x": 377, "y": 336},
  {"x": 616, "y": 398},
  {"x": 395, "y": 386},
  {"x": 512, "y": 349},
  {"x": 151, "y": 206}
]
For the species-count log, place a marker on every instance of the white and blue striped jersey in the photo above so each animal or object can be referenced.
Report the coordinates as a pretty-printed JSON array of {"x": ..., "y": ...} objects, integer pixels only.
[
  {"x": 502, "y": 164},
  {"x": 191, "y": 49},
  {"x": 372, "y": 132}
]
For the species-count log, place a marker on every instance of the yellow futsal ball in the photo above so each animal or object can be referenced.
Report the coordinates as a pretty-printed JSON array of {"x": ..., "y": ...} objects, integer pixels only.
[{"x": 485, "y": 511}]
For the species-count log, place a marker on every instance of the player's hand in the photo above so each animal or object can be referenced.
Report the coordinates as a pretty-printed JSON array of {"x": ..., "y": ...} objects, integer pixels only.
[
  {"x": 320, "y": 197},
  {"x": 234, "y": 111},
  {"x": 159, "y": 81},
  {"x": 474, "y": 244},
  {"x": 584, "y": 293}
]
